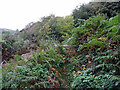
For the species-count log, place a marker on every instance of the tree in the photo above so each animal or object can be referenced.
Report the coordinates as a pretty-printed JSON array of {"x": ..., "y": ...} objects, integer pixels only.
[
  {"x": 49, "y": 27},
  {"x": 94, "y": 8}
]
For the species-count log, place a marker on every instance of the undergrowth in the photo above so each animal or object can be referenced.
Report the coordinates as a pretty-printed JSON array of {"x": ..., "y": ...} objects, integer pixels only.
[{"x": 95, "y": 64}]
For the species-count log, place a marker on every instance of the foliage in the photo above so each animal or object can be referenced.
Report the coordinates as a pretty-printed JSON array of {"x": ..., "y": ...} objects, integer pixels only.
[
  {"x": 0, "y": 76},
  {"x": 49, "y": 27},
  {"x": 98, "y": 43},
  {"x": 91, "y": 81},
  {"x": 92, "y": 61},
  {"x": 12, "y": 44},
  {"x": 85, "y": 11},
  {"x": 35, "y": 72}
]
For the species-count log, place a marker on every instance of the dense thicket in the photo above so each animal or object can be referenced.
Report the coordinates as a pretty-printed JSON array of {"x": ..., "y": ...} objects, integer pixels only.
[
  {"x": 11, "y": 45},
  {"x": 95, "y": 65},
  {"x": 34, "y": 34},
  {"x": 50, "y": 27},
  {"x": 98, "y": 43},
  {"x": 92, "y": 63},
  {"x": 85, "y": 11}
]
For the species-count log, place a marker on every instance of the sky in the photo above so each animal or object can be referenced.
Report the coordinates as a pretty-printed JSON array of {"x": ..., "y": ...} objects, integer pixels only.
[{"x": 16, "y": 14}]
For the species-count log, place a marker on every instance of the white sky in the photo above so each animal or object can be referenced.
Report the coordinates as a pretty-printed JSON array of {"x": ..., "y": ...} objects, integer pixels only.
[{"x": 16, "y": 14}]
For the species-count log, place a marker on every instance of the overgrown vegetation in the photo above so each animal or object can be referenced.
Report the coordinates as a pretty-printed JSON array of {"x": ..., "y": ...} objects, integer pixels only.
[
  {"x": 110, "y": 9},
  {"x": 98, "y": 40},
  {"x": 92, "y": 63}
]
